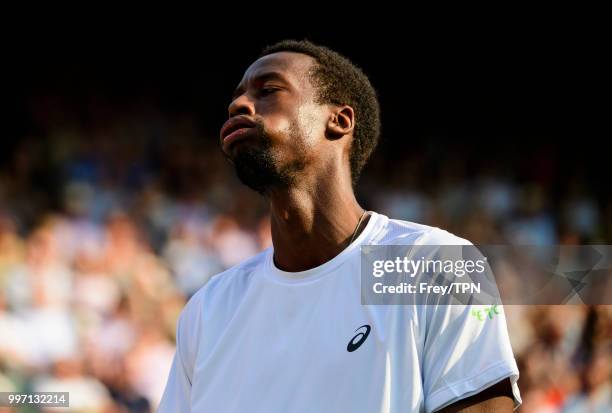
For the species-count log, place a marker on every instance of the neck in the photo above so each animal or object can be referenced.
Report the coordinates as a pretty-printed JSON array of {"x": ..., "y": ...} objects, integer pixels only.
[{"x": 311, "y": 224}]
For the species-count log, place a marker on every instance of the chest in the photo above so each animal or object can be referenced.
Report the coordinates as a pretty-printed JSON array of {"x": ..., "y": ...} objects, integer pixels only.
[{"x": 321, "y": 341}]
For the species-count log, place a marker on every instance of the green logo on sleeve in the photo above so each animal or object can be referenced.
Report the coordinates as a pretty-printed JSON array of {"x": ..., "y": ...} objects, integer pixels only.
[{"x": 487, "y": 312}]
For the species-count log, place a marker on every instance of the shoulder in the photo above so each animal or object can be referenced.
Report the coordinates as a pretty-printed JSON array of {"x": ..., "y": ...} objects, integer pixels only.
[
  {"x": 222, "y": 287},
  {"x": 400, "y": 232},
  {"x": 213, "y": 304}
]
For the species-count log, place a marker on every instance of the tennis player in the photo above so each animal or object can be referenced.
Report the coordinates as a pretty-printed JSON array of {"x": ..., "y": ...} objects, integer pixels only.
[{"x": 285, "y": 331}]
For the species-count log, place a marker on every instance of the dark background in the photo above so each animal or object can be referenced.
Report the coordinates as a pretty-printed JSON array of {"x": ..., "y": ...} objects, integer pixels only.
[{"x": 505, "y": 93}]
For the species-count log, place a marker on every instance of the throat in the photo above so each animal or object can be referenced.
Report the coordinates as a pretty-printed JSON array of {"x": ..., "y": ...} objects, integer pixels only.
[{"x": 300, "y": 248}]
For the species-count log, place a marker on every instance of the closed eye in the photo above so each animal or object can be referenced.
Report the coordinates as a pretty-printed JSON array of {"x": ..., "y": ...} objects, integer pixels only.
[{"x": 268, "y": 90}]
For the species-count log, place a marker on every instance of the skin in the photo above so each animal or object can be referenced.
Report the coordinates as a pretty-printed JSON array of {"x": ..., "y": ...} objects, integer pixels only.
[
  {"x": 313, "y": 217},
  {"x": 318, "y": 212},
  {"x": 494, "y": 399}
]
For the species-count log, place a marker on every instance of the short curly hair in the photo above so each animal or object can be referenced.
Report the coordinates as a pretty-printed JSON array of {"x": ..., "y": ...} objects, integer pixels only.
[{"x": 340, "y": 82}]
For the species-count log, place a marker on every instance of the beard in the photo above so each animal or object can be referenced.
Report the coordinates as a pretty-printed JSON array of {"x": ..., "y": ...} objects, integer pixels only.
[{"x": 257, "y": 167}]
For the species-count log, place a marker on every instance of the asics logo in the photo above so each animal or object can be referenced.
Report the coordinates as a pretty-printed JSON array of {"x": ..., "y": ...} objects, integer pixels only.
[{"x": 359, "y": 338}]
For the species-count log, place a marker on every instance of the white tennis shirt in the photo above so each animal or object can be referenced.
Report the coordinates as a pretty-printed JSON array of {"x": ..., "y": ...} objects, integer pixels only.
[{"x": 256, "y": 339}]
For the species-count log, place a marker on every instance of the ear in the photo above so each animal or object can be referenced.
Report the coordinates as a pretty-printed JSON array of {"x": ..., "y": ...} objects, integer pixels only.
[{"x": 341, "y": 122}]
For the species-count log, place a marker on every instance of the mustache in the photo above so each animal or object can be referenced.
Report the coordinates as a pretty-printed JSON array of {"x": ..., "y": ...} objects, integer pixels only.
[{"x": 260, "y": 128}]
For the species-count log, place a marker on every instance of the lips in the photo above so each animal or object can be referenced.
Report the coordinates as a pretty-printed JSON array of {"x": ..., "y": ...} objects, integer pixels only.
[{"x": 235, "y": 128}]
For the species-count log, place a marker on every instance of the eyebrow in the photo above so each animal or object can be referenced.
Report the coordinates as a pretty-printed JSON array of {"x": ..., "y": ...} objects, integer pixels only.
[{"x": 262, "y": 77}]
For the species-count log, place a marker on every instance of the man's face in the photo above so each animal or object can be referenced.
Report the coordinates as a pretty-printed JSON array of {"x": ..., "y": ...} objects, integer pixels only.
[{"x": 276, "y": 129}]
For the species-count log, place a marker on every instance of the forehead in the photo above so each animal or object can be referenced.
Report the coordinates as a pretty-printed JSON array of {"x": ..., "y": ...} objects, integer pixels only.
[{"x": 292, "y": 66}]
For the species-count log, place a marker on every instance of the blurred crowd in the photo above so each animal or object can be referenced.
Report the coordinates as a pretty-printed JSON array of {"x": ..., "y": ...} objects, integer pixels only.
[{"x": 110, "y": 219}]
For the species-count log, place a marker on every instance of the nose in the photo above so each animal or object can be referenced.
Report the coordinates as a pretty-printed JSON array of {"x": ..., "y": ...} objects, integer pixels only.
[{"x": 242, "y": 105}]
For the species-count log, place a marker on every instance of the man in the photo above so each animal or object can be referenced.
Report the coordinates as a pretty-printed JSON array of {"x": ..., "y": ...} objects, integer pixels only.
[{"x": 285, "y": 331}]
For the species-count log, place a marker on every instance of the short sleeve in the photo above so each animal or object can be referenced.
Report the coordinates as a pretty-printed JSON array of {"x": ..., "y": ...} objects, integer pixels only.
[
  {"x": 466, "y": 350},
  {"x": 177, "y": 393}
]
